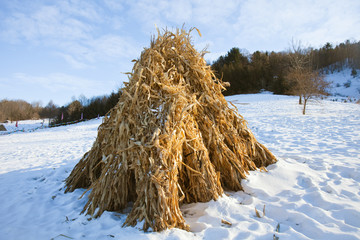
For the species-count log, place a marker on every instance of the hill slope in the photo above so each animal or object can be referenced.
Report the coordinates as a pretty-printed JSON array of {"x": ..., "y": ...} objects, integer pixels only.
[{"x": 343, "y": 84}]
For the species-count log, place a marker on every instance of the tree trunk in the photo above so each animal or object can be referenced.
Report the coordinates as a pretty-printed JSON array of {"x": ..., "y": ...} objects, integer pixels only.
[
  {"x": 305, "y": 101},
  {"x": 300, "y": 99}
]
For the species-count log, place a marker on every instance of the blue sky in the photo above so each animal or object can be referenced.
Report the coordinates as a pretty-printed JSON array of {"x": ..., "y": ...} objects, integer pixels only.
[{"x": 58, "y": 50}]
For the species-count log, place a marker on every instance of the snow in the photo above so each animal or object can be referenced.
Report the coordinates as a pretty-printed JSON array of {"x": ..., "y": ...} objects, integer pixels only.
[
  {"x": 343, "y": 84},
  {"x": 312, "y": 192},
  {"x": 24, "y": 126}
]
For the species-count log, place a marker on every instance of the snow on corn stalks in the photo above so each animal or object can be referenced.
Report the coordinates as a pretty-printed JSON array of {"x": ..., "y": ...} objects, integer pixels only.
[{"x": 171, "y": 139}]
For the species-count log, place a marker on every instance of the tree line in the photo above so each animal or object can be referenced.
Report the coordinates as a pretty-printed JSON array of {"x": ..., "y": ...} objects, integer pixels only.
[
  {"x": 86, "y": 108},
  {"x": 15, "y": 110},
  {"x": 250, "y": 73}
]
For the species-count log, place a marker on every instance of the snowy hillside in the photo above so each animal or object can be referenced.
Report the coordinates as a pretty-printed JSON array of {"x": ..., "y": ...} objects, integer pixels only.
[
  {"x": 344, "y": 84},
  {"x": 312, "y": 192}
]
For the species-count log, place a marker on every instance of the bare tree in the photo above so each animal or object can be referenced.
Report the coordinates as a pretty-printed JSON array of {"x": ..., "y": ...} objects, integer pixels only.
[
  {"x": 49, "y": 111},
  {"x": 74, "y": 110},
  {"x": 303, "y": 81},
  {"x": 308, "y": 84}
]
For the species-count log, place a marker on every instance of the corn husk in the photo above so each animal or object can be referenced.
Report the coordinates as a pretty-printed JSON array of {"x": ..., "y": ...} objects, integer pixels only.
[{"x": 171, "y": 139}]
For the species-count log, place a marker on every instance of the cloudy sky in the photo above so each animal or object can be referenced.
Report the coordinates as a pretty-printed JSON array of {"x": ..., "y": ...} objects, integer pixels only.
[{"x": 59, "y": 49}]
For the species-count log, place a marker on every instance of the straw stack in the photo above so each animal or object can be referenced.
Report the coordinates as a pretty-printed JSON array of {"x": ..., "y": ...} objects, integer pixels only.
[{"x": 171, "y": 139}]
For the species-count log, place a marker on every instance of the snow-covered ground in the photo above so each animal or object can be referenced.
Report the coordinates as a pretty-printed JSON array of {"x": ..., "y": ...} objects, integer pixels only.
[{"x": 312, "y": 192}]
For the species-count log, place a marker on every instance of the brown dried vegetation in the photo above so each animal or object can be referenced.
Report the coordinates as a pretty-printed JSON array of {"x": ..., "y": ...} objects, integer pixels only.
[{"x": 171, "y": 139}]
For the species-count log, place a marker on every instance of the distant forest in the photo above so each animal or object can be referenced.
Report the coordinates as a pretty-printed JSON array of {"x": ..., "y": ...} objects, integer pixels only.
[
  {"x": 250, "y": 73},
  {"x": 14, "y": 110},
  {"x": 246, "y": 73}
]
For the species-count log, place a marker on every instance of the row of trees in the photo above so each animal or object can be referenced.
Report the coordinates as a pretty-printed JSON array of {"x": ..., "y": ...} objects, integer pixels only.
[
  {"x": 336, "y": 58},
  {"x": 86, "y": 108},
  {"x": 18, "y": 110},
  {"x": 14, "y": 110},
  {"x": 249, "y": 73}
]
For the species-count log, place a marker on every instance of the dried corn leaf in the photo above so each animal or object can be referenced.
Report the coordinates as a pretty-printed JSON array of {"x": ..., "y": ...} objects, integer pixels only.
[{"x": 226, "y": 222}]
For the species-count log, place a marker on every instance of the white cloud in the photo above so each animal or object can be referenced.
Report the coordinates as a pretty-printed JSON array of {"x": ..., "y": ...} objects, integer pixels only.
[
  {"x": 114, "y": 4},
  {"x": 112, "y": 46},
  {"x": 216, "y": 13},
  {"x": 75, "y": 30},
  {"x": 107, "y": 48},
  {"x": 177, "y": 12},
  {"x": 275, "y": 23},
  {"x": 47, "y": 25},
  {"x": 237, "y": 22},
  {"x": 84, "y": 9},
  {"x": 56, "y": 82},
  {"x": 72, "y": 61}
]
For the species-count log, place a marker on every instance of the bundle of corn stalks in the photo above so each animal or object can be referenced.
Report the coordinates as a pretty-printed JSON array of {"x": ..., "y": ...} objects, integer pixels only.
[{"x": 171, "y": 139}]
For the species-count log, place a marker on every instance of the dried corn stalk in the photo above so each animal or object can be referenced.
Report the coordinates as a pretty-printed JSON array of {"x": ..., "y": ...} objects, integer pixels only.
[{"x": 171, "y": 138}]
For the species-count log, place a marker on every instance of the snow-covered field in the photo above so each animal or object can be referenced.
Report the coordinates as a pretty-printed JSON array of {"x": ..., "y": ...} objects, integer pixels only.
[{"x": 312, "y": 192}]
